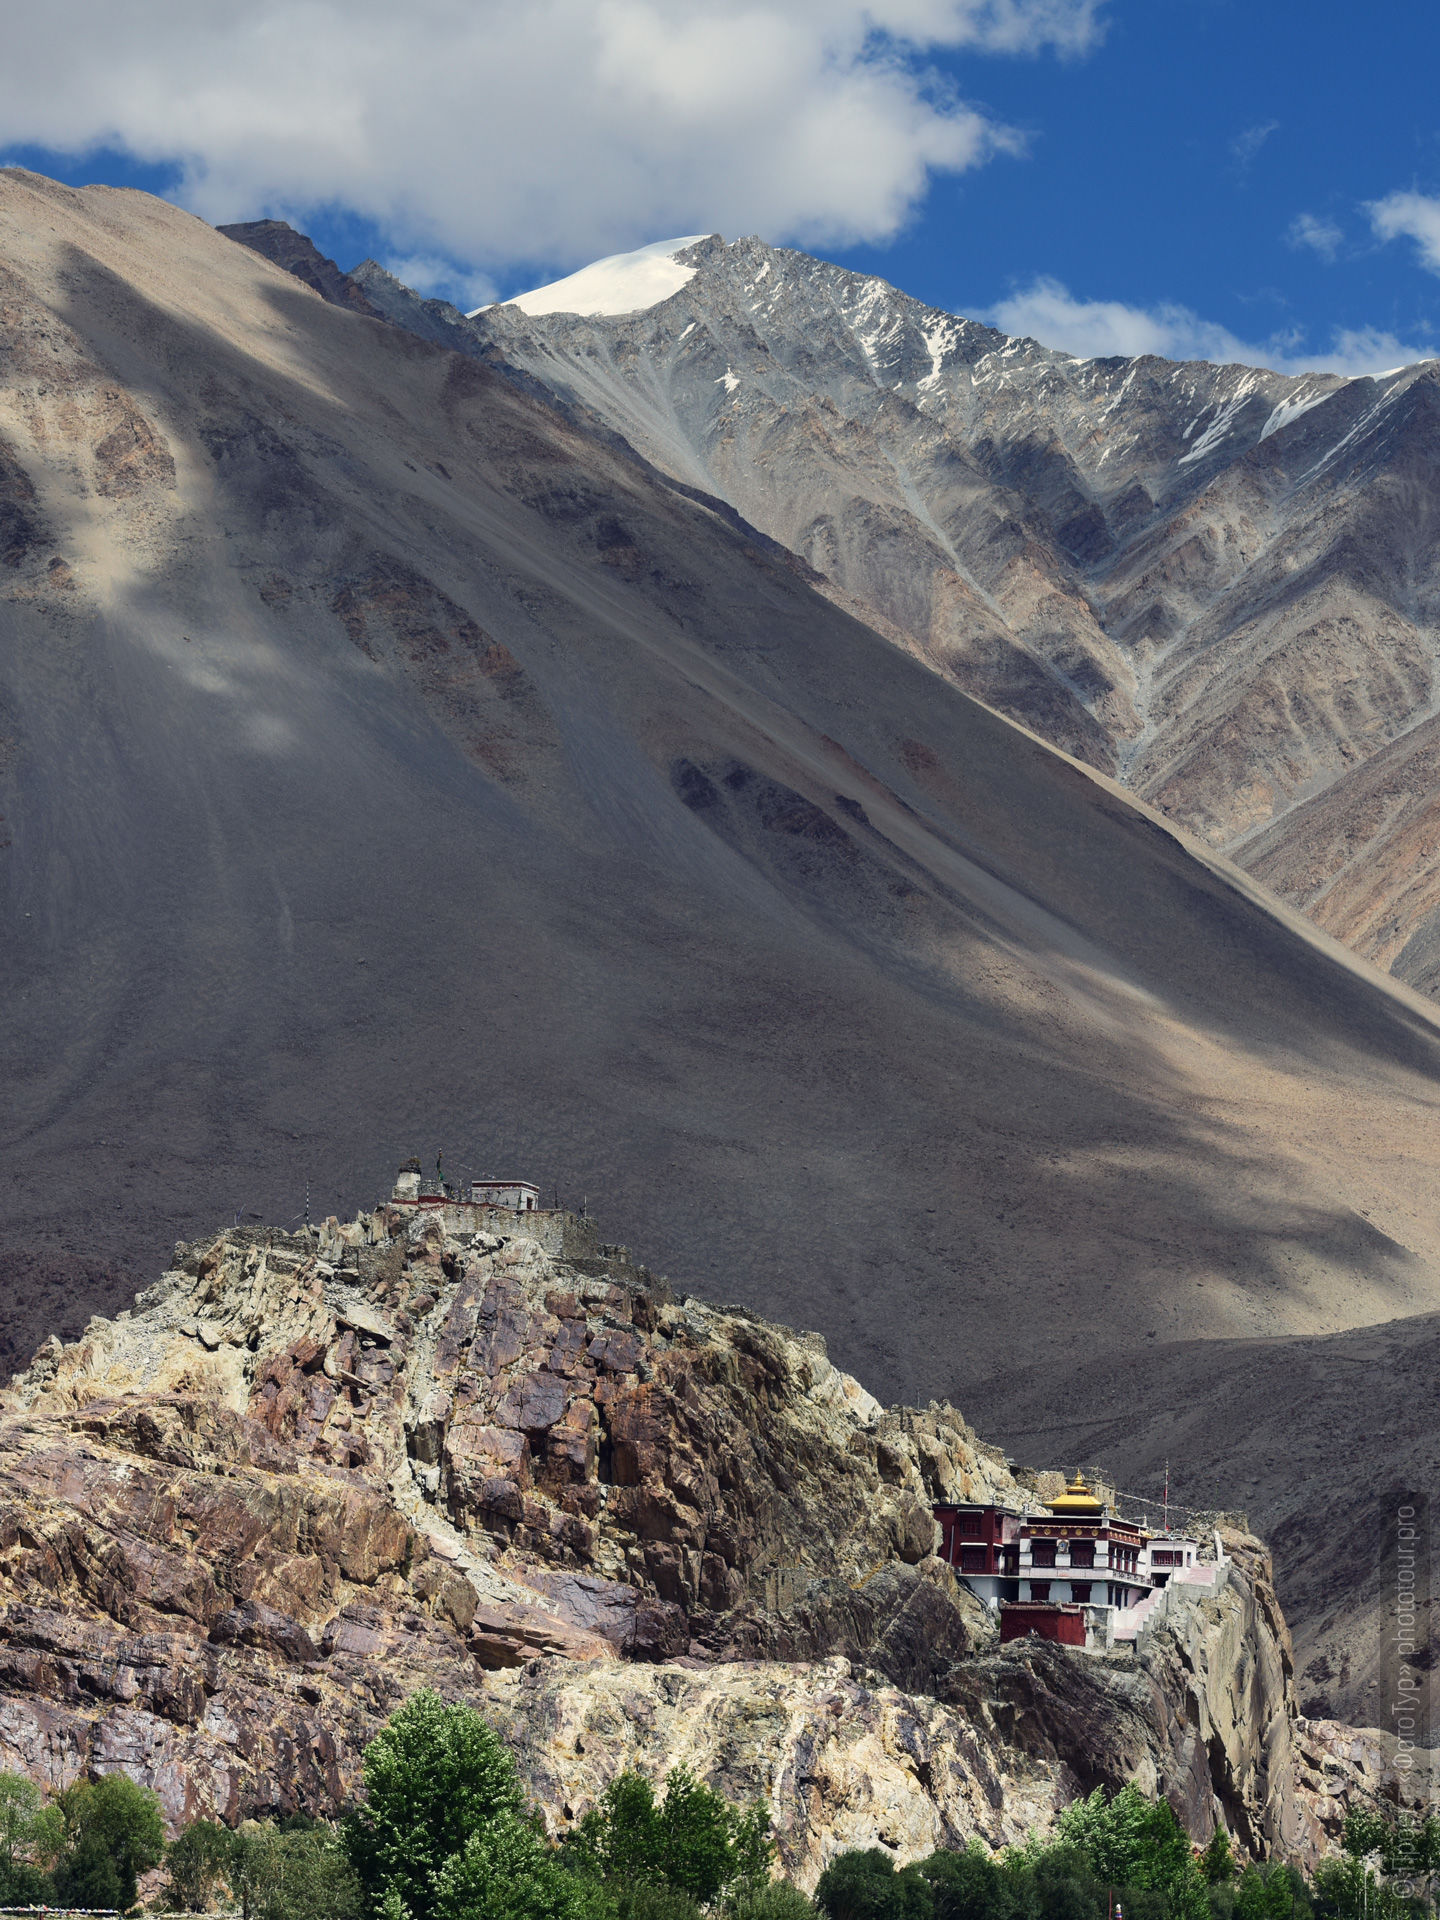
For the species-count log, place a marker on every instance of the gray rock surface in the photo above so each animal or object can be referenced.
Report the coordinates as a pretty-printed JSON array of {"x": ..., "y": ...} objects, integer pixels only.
[{"x": 1216, "y": 582}]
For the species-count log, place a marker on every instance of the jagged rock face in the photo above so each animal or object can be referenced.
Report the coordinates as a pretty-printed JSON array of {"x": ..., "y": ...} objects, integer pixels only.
[
  {"x": 277, "y": 240},
  {"x": 842, "y": 1760},
  {"x": 1218, "y": 583},
  {"x": 310, "y": 1474},
  {"x": 430, "y": 1457}
]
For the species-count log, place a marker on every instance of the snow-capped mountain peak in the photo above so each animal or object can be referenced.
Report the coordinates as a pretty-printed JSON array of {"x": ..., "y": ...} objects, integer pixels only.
[{"x": 620, "y": 283}]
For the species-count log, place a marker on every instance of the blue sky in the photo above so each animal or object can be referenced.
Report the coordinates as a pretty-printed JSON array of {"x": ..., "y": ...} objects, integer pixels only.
[{"x": 1190, "y": 176}]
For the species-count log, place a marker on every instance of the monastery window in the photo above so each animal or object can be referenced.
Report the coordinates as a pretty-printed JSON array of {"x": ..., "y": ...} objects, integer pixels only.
[
  {"x": 1082, "y": 1553},
  {"x": 972, "y": 1560},
  {"x": 1042, "y": 1553},
  {"x": 1039, "y": 1589},
  {"x": 1080, "y": 1590},
  {"x": 967, "y": 1525}
]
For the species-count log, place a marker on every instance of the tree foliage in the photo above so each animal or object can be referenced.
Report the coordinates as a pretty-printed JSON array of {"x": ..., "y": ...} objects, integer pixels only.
[
  {"x": 772, "y": 1900},
  {"x": 198, "y": 1859},
  {"x": 1117, "y": 1852},
  {"x": 114, "y": 1832},
  {"x": 865, "y": 1885},
  {"x": 31, "y": 1838},
  {"x": 434, "y": 1775},
  {"x": 508, "y": 1872},
  {"x": 302, "y": 1873},
  {"x": 692, "y": 1840}
]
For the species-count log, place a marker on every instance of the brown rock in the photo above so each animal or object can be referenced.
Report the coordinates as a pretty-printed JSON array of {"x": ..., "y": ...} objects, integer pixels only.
[{"x": 212, "y": 1600}]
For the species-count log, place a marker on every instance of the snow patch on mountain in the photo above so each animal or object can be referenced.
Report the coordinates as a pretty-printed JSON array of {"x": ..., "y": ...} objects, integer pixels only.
[
  {"x": 621, "y": 283},
  {"x": 1291, "y": 409}
]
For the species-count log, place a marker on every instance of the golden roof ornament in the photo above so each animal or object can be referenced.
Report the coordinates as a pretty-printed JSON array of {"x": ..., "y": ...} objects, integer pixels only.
[{"x": 1077, "y": 1501}]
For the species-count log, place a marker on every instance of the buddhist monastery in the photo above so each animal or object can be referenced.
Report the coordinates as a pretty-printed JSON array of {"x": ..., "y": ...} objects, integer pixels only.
[{"x": 1071, "y": 1569}]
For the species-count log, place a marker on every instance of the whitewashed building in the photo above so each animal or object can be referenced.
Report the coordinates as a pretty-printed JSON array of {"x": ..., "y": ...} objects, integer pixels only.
[{"x": 517, "y": 1194}]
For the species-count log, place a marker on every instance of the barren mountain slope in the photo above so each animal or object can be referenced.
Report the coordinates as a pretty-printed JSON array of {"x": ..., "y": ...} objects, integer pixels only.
[
  {"x": 393, "y": 762},
  {"x": 1220, "y": 583},
  {"x": 1363, "y": 857}
]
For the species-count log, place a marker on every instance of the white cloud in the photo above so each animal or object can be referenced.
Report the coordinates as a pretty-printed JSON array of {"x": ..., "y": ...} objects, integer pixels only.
[
  {"x": 547, "y": 132},
  {"x": 1246, "y": 145},
  {"x": 1321, "y": 236},
  {"x": 441, "y": 279},
  {"x": 1095, "y": 329},
  {"x": 1412, "y": 216}
]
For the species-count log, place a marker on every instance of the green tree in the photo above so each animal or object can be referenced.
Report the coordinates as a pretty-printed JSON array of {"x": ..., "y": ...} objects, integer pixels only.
[
  {"x": 1060, "y": 1885},
  {"x": 29, "y": 1832},
  {"x": 87, "y": 1876},
  {"x": 114, "y": 1832},
  {"x": 302, "y": 1874},
  {"x": 1217, "y": 1862},
  {"x": 692, "y": 1840},
  {"x": 1403, "y": 1848},
  {"x": 651, "y": 1900},
  {"x": 435, "y": 1775},
  {"x": 774, "y": 1900},
  {"x": 198, "y": 1859},
  {"x": 1346, "y": 1889},
  {"x": 1366, "y": 1832},
  {"x": 969, "y": 1885},
  {"x": 507, "y": 1871},
  {"x": 1272, "y": 1892},
  {"x": 864, "y": 1885},
  {"x": 1140, "y": 1845}
]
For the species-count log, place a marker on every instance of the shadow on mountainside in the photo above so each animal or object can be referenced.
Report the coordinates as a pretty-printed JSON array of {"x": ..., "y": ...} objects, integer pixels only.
[{"x": 369, "y": 812}]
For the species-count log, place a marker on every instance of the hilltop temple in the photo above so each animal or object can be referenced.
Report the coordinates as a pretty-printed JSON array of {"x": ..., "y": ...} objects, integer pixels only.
[{"x": 1076, "y": 1572}]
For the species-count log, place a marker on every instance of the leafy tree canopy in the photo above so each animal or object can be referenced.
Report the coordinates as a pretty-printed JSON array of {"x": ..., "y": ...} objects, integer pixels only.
[
  {"x": 114, "y": 1832},
  {"x": 31, "y": 1838},
  {"x": 434, "y": 1775},
  {"x": 865, "y": 1885},
  {"x": 295, "y": 1874},
  {"x": 198, "y": 1859},
  {"x": 692, "y": 1840}
]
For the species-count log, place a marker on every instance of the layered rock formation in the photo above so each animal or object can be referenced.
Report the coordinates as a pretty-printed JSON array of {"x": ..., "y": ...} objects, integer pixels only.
[{"x": 311, "y": 1473}]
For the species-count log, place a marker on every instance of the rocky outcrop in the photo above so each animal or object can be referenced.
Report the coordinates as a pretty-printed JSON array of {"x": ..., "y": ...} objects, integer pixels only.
[
  {"x": 1202, "y": 1713},
  {"x": 484, "y": 1452},
  {"x": 277, "y": 240},
  {"x": 842, "y": 1760},
  {"x": 311, "y": 1474},
  {"x": 1339, "y": 1767}
]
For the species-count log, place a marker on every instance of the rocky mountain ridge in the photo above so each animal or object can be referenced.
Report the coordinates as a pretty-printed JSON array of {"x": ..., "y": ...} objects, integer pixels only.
[
  {"x": 1217, "y": 583},
  {"x": 312, "y": 1472}
]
